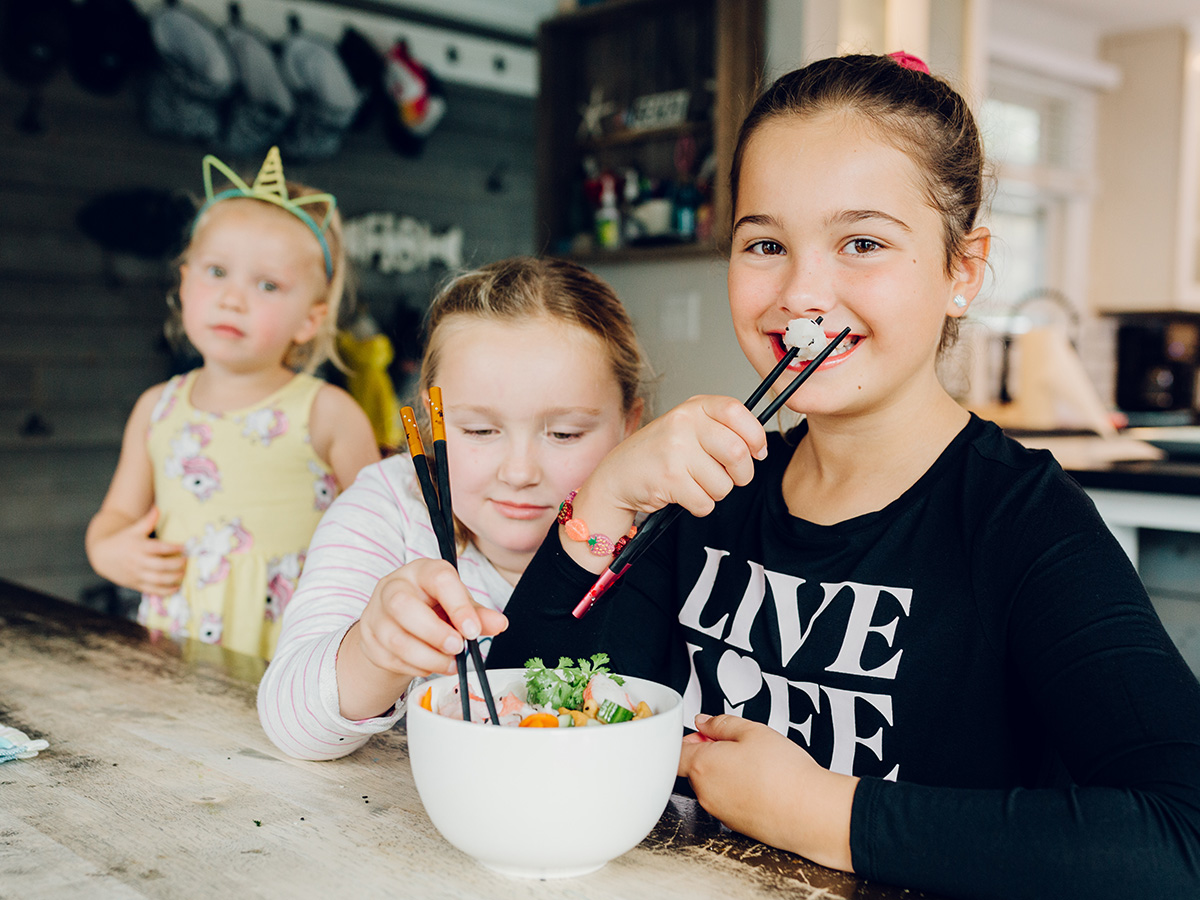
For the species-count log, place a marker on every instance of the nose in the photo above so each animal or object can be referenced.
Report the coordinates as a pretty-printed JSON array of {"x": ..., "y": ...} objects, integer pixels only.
[
  {"x": 232, "y": 297},
  {"x": 807, "y": 290},
  {"x": 520, "y": 466}
]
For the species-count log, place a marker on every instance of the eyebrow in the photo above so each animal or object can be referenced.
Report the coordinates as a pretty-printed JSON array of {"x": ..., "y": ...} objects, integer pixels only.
[
  {"x": 468, "y": 409},
  {"x": 846, "y": 216},
  {"x": 758, "y": 219},
  {"x": 860, "y": 215}
]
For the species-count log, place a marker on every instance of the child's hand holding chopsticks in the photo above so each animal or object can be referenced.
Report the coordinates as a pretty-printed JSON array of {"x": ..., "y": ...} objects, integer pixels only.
[{"x": 693, "y": 456}]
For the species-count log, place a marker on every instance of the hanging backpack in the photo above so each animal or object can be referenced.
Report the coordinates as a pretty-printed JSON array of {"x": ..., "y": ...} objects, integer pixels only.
[
  {"x": 262, "y": 104},
  {"x": 195, "y": 73},
  {"x": 326, "y": 96},
  {"x": 110, "y": 41},
  {"x": 33, "y": 46}
]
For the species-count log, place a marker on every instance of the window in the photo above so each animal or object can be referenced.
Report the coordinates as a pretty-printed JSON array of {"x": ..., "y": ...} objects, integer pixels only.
[{"x": 1038, "y": 135}]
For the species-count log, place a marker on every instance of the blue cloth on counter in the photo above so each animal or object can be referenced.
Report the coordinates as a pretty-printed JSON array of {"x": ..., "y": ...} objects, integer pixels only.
[{"x": 16, "y": 744}]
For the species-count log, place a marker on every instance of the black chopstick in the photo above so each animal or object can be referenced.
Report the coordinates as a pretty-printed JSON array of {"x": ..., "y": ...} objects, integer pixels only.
[
  {"x": 776, "y": 404},
  {"x": 657, "y": 522},
  {"x": 442, "y": 467},
  {"x": 445, "y": 542},
  {"x": 773, "y": 375}
]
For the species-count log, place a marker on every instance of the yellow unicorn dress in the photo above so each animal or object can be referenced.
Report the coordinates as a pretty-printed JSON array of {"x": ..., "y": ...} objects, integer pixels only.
[{"x": 243, "y": 492}]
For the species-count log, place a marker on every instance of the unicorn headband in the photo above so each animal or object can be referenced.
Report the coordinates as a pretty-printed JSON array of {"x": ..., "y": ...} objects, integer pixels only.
[{"x": 269, "y": 185}]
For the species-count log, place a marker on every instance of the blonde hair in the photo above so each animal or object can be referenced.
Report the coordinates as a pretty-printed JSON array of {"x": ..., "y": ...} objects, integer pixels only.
[
  {"x": 526, "y": 287},
  {"x": 304, "y": 357}
]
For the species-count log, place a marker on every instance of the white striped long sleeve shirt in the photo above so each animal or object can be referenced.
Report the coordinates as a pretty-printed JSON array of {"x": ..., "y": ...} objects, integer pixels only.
[{"x": 379, "y": 524}]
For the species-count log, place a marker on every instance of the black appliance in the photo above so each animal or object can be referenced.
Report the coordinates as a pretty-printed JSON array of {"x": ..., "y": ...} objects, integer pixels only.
[{"x": 1157, "y": 364}]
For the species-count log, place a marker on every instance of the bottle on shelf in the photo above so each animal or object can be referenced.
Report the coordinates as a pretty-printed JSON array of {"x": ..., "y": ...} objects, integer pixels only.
[{"x": 608, "y": 216}]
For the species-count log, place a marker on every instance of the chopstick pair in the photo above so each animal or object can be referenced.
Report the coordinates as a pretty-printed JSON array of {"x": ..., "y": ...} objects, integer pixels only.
[
  {"x": 441, "y": 516},
  {"x": 657, "y": 522}
]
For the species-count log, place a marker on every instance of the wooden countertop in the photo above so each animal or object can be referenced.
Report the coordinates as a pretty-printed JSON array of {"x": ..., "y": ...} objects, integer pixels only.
[
  {"x": 1164, "y": 476},
  {"x": 159, "y": 782}
]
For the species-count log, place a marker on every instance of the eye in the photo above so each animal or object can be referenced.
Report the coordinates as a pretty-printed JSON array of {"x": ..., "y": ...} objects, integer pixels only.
[
  {"x": 215, "y": 271},
  {"x": 766, "y": 247},
  {"x": 268, "y": 287},
  {"x": 861, "y": 246},
  {"x": 565, "y": 437},
  {"x": 479, "y": 432}
]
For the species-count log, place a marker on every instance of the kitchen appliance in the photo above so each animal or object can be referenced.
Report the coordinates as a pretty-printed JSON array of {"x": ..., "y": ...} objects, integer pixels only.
[{"x": 1157, "y": 364}]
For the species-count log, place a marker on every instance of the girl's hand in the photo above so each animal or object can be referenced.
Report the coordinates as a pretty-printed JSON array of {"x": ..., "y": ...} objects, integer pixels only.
[
  {"x": 414, "y": 624},
  {"x": 693, "y": 455},
  {"x": 130, "y": 557},
  {"x": 758, "y": 782}
]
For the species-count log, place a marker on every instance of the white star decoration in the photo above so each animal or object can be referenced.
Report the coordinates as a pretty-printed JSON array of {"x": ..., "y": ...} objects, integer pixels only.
[{"x": 593, "y": 112}]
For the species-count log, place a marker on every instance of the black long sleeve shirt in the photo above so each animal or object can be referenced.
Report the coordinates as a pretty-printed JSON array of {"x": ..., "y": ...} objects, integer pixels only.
[{"x": 980, "y": 652}]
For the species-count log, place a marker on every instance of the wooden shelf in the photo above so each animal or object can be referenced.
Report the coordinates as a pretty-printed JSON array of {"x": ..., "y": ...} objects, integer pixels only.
[
  {"x": 693, "y": 250},
  {"x": 630, "y": 49},
  {"x": 644, "y": 135}
]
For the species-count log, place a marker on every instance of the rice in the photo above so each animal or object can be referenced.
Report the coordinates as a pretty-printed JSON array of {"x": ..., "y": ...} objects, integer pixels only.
[{"x": 806, "y": 335}]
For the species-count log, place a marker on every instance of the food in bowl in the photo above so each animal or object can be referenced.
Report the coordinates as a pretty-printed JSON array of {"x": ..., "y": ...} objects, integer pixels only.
[
  {"x": 566, "y": 696},
  {"x": 556, "y": 803}
]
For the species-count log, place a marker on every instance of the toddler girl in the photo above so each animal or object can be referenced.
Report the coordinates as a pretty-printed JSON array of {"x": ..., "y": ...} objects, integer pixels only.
[
  {"x": 540, "y": 376},
  {"x": 224, "y": 471},
  {"x": 909, "y": 645}
]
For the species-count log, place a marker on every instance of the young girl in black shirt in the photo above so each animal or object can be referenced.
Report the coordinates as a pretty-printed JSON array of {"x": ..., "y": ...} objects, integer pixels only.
[{"x": 910, "y": 646}]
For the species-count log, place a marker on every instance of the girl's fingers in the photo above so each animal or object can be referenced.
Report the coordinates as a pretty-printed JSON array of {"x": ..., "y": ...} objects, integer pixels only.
[
  {"x": 175, "y": 563},
  {"x": 395, "y": 650},
  {"x": 425, "y": 612},
  {"x": 738, "y": 419},
  {"x": 162, "y": 548}
]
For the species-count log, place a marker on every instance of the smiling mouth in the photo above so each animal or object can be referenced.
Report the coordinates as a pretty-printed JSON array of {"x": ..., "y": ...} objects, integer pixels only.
[
  {"x": 228, "y": 330},
  {"x": 848, "y": 343}
]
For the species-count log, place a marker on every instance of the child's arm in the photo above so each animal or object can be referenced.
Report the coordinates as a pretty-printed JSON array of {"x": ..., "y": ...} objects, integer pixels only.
[
  {"x": 693, "y": 455},
  {"x": 342, "y": 434},
  {"x": 372, "y": 609},
  {"x": 118, "y": 541},
  {"x": 760, "y": 783}
]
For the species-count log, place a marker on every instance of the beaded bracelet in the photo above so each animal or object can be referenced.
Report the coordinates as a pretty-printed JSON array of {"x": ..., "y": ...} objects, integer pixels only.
[{"x": 577, "y": 530}]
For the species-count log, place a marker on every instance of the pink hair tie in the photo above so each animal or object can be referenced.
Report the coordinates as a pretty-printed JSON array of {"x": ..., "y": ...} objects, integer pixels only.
[{"x": 908, "y": 61}]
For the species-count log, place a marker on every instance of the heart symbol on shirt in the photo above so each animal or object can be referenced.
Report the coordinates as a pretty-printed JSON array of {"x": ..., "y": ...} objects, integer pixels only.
[{"x": 739, "y": 677}]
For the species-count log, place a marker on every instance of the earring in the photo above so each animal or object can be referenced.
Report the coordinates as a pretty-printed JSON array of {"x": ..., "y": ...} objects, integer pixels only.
[{"x": 960, "y": 301}]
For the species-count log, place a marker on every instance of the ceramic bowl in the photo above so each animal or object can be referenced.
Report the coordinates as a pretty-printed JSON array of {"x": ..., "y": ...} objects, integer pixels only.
[{"x": 545, "y": 802}]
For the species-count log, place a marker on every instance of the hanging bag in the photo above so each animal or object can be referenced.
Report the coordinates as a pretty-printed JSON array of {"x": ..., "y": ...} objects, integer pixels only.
[
  {"x": 195, "y": 73},
  {"x": 327, "y": 99},
  {"x": 262, "y": 104}
]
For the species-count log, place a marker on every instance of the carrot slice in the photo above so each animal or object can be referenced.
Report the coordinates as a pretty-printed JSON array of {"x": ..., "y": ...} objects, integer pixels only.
[
  {"x": 540, "y": 720},
  {"x": 427, "y": 700}
]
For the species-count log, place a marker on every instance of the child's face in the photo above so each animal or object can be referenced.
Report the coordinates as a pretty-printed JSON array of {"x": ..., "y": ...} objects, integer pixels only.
[
  {"x": 530, "y": 409},
  {"x": 251, "y": 285},
  {"x": 831, "y": 221}
]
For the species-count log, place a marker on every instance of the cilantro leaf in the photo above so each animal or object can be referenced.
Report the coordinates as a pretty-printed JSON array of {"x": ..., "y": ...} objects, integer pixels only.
[{"x": 564, "y": 684}]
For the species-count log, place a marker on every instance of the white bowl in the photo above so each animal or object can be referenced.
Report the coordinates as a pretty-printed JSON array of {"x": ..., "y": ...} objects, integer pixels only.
[{"x": 545, "y": 802}]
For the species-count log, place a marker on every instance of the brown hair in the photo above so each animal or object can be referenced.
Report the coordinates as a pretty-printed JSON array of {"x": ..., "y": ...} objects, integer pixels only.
[
  {"x": 323, "y": 345},
  {"x": 526, "y": 288},
  {"x": 920, "y": 114}
]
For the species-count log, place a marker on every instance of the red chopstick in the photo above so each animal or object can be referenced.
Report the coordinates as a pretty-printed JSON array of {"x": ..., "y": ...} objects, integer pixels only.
[{"x": 656, "y": 523}]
